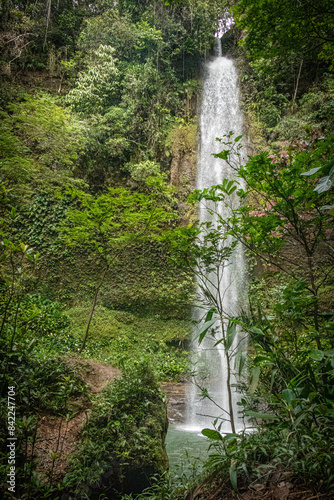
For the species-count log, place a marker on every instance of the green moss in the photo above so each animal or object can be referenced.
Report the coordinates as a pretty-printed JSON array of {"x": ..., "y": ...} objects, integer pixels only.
[
  {"x": 120, "y": 337},
  {"x": 181, "y": 139},
  {"x": 142, "y": 281}
]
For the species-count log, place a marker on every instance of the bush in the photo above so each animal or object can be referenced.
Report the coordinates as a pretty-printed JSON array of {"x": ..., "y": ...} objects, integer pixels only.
[
  {"x": 41, "y": 385},
  {"x": 124, "y": 435}
]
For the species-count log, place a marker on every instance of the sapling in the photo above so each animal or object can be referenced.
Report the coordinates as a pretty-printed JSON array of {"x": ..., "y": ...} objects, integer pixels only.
[{"x": 206, "y": 249}]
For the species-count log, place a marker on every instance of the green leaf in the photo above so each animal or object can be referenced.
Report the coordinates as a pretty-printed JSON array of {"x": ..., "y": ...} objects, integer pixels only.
[
  {"x": 316, "y": 355},
  {"x": 240, "y": 361},
  {"x": 257, "y": 331},
  {"x": 255, "y": 379},
  {"x": 230, "y": 437},
  {"x": 299, "y": 419},
  {"x": 263, "y": 416},
  {"x": 288, "y": 395},
  {"x": 212, "y": 434},
  {"x": 223, "y": 155},
  {"x": 312, "y": 171},
  {"x": 209, "y": 314},
  {"x": 207, "y": 325},
  {"x": 273, "y": 373},
  {"x": 234, "y": 475},
  {"x": 237, "y": 139},
  {"x": 230, "y": 334},
  {"x": 258, "y": 359}
]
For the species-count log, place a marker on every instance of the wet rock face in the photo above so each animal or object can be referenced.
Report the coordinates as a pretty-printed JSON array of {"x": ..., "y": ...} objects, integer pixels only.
[
  {"x": 184, "y": 149},
  {"x": 125, "y": 477},
  {"x": 183, "y": 170},
  {"x": 177, "y": 400}
]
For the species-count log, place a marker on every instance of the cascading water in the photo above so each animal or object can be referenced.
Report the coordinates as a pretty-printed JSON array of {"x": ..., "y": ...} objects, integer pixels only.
[{"x": 220, "y": 114}]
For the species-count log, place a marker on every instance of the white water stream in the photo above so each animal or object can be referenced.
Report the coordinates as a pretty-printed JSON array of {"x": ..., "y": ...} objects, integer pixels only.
[{"x": 220, "y": 114}]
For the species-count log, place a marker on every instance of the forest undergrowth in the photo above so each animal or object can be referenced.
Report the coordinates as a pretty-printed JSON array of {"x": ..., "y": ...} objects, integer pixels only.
[{"x": 99, "y": 240}]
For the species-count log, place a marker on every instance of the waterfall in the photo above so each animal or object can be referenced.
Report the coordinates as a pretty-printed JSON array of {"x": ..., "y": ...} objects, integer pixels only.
[{"x": 220, "y": 113}]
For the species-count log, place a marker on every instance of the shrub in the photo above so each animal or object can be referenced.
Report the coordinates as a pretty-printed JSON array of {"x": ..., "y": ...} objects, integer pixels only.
[{"x": 125, "y": 432}]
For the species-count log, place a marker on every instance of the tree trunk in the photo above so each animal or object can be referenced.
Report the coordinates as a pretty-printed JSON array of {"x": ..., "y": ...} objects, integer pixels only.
[
  {"x": 229, "y": 391},
  {"x": 97, "y": 290},
  {"x": 297, "y": 83}
]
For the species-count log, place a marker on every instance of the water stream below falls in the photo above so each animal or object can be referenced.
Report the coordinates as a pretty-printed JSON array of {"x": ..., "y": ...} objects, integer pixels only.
[{"x": 220, "y": 114}]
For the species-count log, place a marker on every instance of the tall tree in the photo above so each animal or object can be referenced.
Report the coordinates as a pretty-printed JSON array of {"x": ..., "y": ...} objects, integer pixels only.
[{"x": 277, "y": 28}]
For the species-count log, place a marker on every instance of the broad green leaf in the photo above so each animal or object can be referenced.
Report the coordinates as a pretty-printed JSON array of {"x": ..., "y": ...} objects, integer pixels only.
[
  {"x": 312, "y": 171},
  {"x": 288, "y": 395},
  {"x": 316, "y": 355},
  {"x": 223, "y": 155},
  {"x": 257, "y": 331},
  {"x": 230, "y": 437},
  {"x": 258, "y": 359},
  {"x": 212, "y": 434},
  {"x": 313, "y": 395}
]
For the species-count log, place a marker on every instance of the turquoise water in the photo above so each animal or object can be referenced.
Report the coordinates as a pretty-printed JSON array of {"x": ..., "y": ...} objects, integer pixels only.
[{"x": 187, "y": 451}]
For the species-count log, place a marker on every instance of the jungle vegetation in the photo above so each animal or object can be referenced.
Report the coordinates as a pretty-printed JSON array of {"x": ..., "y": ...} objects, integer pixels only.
[{"x": 98, "y": 105}]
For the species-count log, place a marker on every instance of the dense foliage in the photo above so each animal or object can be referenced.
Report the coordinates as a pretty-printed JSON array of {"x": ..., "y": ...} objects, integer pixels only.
[
  {"x": 123, "y": 434},
  {"x": 286, "y": 77},
  {"x": 286, "y": 225},
  {"x": 99, "y": 250},
  {"x": 131, "y": 68}
]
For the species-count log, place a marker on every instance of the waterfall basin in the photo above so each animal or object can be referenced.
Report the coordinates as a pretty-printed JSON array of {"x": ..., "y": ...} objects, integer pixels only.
[{"x": 187, "y": 450}]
